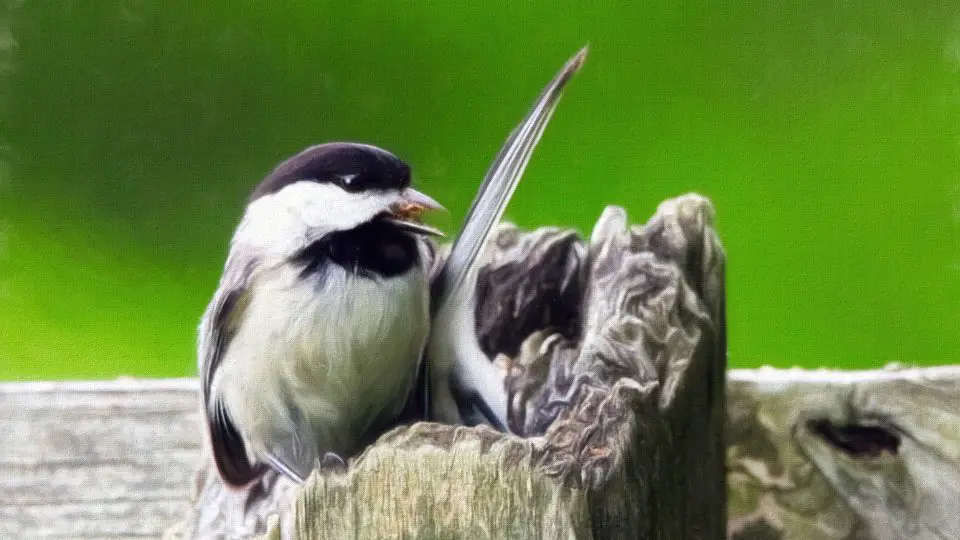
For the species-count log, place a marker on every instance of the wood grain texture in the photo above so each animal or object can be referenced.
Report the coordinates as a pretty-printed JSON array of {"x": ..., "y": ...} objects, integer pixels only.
[
  {"x": 106, "y": 459},
  {"x": 71, "y": 470}
]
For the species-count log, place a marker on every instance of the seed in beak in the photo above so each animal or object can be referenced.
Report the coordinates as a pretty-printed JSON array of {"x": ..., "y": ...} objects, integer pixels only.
[{"x": 407, "y": 211}]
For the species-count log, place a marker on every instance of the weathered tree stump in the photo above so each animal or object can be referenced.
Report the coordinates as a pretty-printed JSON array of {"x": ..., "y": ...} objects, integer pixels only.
[{"x": 615, "y": 357}]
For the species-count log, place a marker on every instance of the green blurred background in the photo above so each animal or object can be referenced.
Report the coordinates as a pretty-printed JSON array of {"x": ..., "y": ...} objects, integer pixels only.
[{"x": 826, "y": 133}]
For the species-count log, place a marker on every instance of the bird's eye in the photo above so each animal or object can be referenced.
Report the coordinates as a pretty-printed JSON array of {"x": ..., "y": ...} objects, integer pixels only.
[{"x": 349, "y": 182}]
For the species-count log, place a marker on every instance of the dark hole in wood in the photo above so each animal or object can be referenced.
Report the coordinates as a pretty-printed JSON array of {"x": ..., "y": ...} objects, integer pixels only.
[
  {"x": 856, "y": 440},
  {"x": 518, "y": 298}
]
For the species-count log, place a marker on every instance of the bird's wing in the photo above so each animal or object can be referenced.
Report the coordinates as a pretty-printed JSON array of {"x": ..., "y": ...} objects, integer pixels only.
[
  {"x": 453, "y": 349},
  {"x": 217, "y": 328},
  {"x": 292, "y": 451}
]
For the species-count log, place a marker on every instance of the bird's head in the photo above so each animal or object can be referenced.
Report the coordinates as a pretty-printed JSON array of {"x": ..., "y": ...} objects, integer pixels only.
[{"x": 331, "y": 188}]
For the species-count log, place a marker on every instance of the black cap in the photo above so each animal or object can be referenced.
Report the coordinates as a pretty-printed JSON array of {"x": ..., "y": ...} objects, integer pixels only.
[{"x": 351, "y": 166}]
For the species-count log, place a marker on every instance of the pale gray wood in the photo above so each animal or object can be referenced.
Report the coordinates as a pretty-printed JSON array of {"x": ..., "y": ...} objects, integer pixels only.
[
  {"x": 105, "y": 459},
  {"x": 844, "y": 455},
  {"x": 105, "y": 484}
]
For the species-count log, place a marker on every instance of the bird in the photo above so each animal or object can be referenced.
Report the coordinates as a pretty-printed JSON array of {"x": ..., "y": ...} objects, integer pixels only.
[{"x": 316, "y": 338}]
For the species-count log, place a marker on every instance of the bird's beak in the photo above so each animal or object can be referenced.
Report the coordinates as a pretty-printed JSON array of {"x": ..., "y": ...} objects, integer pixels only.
[{"x": 405, "y": 212}]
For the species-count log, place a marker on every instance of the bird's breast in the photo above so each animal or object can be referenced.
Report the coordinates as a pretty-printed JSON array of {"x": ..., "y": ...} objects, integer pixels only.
[{"x": 342, "y": 351}]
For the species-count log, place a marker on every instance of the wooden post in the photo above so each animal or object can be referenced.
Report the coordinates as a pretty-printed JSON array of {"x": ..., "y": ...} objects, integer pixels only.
[{"x": 119, "y": 459}]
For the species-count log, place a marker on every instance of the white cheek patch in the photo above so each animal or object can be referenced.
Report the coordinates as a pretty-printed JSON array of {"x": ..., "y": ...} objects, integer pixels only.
[
  {"x": 285, "y": 220},
  {"x": 327, "y": 206}
]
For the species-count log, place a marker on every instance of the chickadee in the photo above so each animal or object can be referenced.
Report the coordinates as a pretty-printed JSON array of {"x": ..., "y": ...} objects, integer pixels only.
[
  {"x": 312, "y": 343},
  {"x": 316, "y": 330}
]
